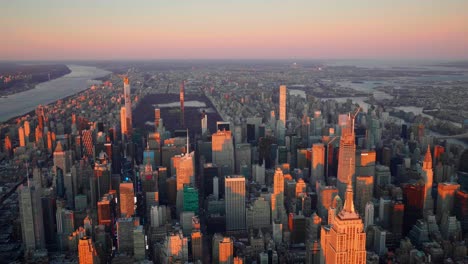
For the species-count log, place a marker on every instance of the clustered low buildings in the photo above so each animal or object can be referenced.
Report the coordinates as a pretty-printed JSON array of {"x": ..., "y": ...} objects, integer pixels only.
[{"x": 325, "y": 182}]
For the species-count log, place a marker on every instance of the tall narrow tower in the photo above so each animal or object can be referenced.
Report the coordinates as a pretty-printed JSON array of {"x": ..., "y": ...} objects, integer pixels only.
[
  {"x": 346, "y": 155},
  {"x": 182, "y": 98},
  {"x": 428, "y": 180},
  {"x": 157, "y": 118},
  {"x": 277, "y": 199},
  {"x": 128, "y": 106},
  {"x": 282, "y": 104},
  {"x": 345, "y": 240}
]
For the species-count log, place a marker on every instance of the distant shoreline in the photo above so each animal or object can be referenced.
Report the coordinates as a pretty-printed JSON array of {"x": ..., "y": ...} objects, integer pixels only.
[
  {"x": 37, "y": 76},
  {"x": 32, "y": 113}
]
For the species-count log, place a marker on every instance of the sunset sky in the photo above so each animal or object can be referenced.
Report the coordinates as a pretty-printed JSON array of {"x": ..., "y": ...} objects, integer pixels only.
[{"x": 217, "y": 29}]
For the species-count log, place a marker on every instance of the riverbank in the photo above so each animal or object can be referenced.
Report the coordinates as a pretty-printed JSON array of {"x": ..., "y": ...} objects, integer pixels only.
[
  {"x": 16, "y": 78},
  {"x": 24, "y": 103}
]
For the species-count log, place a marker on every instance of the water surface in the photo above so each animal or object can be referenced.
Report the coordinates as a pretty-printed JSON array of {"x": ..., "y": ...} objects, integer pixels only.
[{"x": 50, "y": 91}]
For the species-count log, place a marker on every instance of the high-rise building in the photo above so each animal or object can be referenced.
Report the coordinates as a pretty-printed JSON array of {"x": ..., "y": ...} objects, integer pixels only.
[
  {"x": 157, "y": 118},
  {"x": 182, "y": 99},
  {"x": 413, "y": 198},
  {"x": 127, "y": 200},
  {"x": 190, "y": 203},
  {"x": 364, "y": 192},
  {"x": 185, "y": 175},
  {"x": 369, "y": 215},
  {"x": 60, "y": 159},
  {"x": 128, "y": 107},
  {"x": 428, "y": 180},
  {"x": 123, "y": 121},
  {"x": 277, "y": 198},
  {"x": 258, "y": 214},
  {"x": 139, "y": 246},
  {"x": 226, "y": 251},
  {"x": 445, "y": 199},
  {"x": 346, "y": 155},
  {"x": 282, "y": 104},
  {"x": 300, "y": 187},
  {"x": 197, "y": 245},
  {"x": 318, "y": 163},
  {"x": 22, "y": 137},
  {"x": 65, "y": 225},
  {"x": 365, "y": 162},
  {"x": 87, "y": 253},
  {"x": 345, "y": 240},
  {"x": 125, "y": 235},
  {"x": 32, "y": 227},
  {"x": 326, "y": 195},
  {"x": 204, "y": 123},
  {"x": 104, "y": 211},
  {"x": 223, "y": 152},
  {"x": 461, "y": 208},
  {"x": 215, "y": 247},
  {"x": 235, "y": 203},
  {"x": 175, "y": 248}
]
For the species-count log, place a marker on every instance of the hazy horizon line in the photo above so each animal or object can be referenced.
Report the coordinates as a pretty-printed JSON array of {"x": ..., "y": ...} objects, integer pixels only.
[{"x": 237, "y": 59}]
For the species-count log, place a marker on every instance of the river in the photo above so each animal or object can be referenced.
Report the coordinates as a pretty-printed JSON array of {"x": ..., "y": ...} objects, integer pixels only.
[{"x": 48, "y": 92}]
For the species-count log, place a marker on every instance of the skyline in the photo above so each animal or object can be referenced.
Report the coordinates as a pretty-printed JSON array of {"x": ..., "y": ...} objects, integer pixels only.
[{"x": 120, "y": 30}]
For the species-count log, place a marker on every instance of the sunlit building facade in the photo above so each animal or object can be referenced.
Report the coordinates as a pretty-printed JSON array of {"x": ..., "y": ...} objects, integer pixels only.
[{"x": 345, "y": 240}]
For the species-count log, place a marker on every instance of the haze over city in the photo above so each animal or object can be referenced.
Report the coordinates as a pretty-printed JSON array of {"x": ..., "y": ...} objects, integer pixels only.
[
  {"x": 232, "y": 132},
  {"x": 209, "y": 29}
]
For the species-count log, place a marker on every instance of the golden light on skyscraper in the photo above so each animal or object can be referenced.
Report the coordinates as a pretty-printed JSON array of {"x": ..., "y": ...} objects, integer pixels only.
[
  {"x": 127, "y": 204},
  {"x": 226, "y": 251},
  {"x": 345, "y": 240},
  {"x": 21, "y": 136},
  {"x": 182, "y": 100},
  {"x": 86, "y": 251},
  {"x": 123, "y": 120},
  {"x": 346, "y": 154},
  {"x": 282, "y": 104},
  {"x": 128, "y": 107},
  {"x": 428, "y": 176}
]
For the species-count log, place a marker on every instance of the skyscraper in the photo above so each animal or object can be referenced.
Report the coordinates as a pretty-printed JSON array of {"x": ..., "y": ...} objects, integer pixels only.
[
  {"x": 185, "y": 175},
  {"x": 204, "y": 122},
  {"x": 125, "y": 235},
  {"x": 128, "y": 106},
  {"x": 182, "y": 99},
  {"x": 226, "y": 251},
  {"x": 282, "y": 104},
  {"x": 445, "y": 199},
  {"x": 277, "y": 198},
  {"x": 364, "y": 192},
  {"x": 60, "y": 158},
  {"x": 346, "y": 155},
  {"x": 30, "y": 208},
  {"x": 104, "y": 211},
  {"x": 197, "y": 245},
  {"x": 21, "y": 136},
  {"x": 369, "y": 215},
  {"x": 428, "y": 180},
  {"x": 318, "y": 161},
  {"x": 157, "y": 118},
  {"x": 223, "y": 152},
  {"x": 127, "y": 204},
  {"x": 123, "y": 121},
  {"x": 86, "y": 252},
  {"x": 345, "y": 240},
  {"x": 235, "y": 203}
]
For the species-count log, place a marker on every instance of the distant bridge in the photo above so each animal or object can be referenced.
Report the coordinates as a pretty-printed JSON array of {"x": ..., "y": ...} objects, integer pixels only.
[{"x": 461, "y": 136}]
